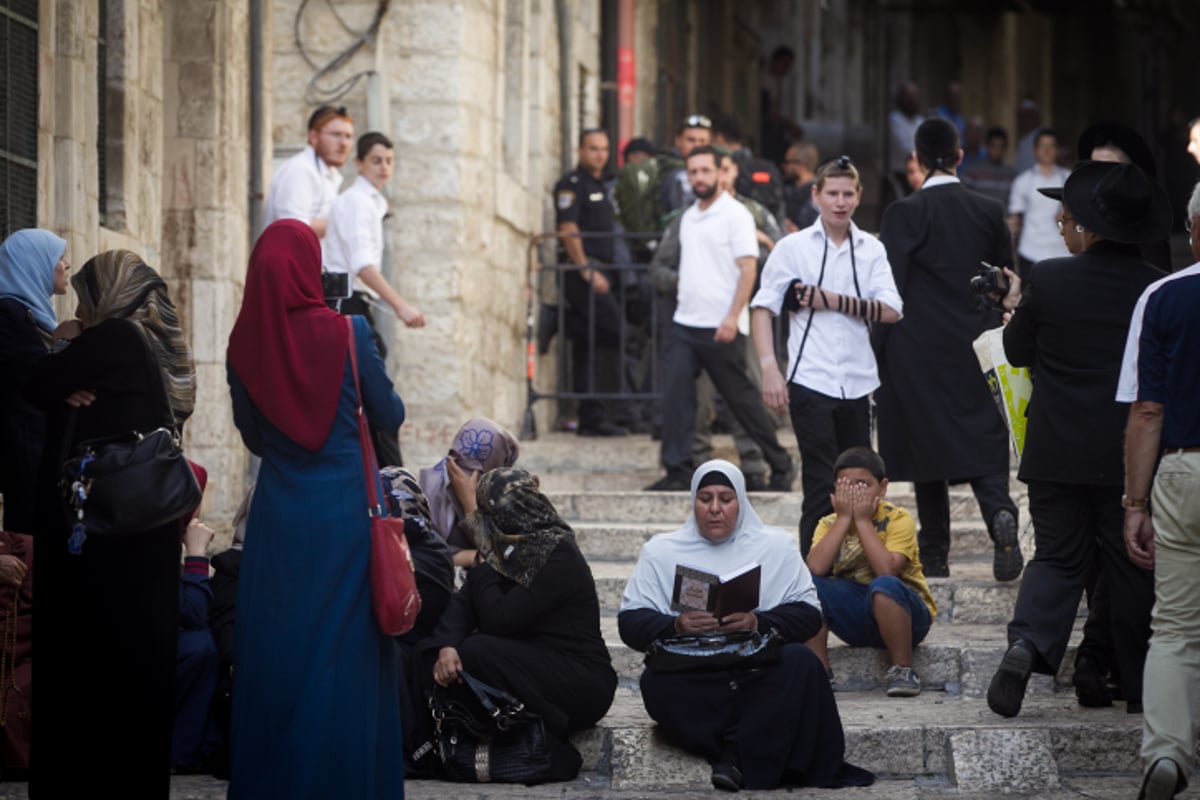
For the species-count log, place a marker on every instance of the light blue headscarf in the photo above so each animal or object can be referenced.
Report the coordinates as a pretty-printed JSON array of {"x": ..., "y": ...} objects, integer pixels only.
[{"x": 27, "y": 261}]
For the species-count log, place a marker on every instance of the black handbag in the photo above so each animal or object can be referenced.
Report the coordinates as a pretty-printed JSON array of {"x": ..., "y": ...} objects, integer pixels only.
[
  {"x": 126, "y": 484},
  {"x": 715, "y": 651},
  {"x": 485, "y": 735}
]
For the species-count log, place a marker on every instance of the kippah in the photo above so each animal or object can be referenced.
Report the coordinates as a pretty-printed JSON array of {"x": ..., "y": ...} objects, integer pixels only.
[
  {"x": 714, "y": 478},
  {"x": 937, "y": 138}
]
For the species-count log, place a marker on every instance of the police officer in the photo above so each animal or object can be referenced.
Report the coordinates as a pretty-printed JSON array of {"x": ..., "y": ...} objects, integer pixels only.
[{"x": 594, "y": 316}]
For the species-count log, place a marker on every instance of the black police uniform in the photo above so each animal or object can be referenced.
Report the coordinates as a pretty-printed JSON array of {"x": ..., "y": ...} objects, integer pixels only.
[{"x": 581, "y": 198}]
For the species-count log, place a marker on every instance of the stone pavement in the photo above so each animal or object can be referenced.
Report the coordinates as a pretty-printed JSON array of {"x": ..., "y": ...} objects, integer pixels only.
[{"x": 946, "y": 742}]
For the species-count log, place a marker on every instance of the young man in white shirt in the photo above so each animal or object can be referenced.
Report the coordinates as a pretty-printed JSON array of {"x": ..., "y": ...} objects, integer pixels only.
[
  {"x": 717, "y": 267},
  {"x": 833, "y": 280},
  {"x": 304, "y": 186},
  {"x": 354, "y": 241},
  {"x": 1032, "y": 217},
  {"x": 354, "y": 245}
]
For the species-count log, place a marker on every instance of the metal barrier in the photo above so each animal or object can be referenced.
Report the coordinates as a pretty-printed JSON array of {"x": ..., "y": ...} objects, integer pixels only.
[{"x": 636, "y": 343}]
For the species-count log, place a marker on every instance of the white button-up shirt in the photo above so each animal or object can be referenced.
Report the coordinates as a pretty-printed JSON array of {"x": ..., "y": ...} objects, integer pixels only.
[
  {"x": 837, "y": 360},
  {"x": 303, "y": 188},
  {"x": 1040, "y": 237},
  {"x": 354, "y": 238}
]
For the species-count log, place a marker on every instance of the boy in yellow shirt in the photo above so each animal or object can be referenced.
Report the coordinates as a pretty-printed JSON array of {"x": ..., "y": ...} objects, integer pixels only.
[{"x": 867, "y": 570}]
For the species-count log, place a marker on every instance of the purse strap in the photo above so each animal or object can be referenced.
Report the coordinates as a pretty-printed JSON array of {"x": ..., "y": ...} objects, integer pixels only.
[
  {"x": 374, "y": 509},
  {"x": 487, "y": 695}
]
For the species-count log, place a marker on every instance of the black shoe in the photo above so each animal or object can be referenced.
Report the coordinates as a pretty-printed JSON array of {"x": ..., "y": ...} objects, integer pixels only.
[
  {"x": 1090, "y": 690},
  {"x": 671, "y": 482},
  {"x": 602, "y": 429},
  {"x": 936, "y": 569},
  {"x": 727, "y": 778},
  {"x": 1163, "y": 780},
  {"x": 782, "y": 481},
  {"x": 1007, "y": 562},
  {"x": 755, "y": 482},
  {"x": 1007, "y": 689}
]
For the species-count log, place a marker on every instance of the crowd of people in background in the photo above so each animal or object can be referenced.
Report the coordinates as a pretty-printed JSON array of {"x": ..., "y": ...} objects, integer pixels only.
[{"x": 266, "y": 665}]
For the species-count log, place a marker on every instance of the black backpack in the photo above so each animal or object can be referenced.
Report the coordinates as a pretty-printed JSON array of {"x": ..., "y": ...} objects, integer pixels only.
[{"x": 760, "y": 179}]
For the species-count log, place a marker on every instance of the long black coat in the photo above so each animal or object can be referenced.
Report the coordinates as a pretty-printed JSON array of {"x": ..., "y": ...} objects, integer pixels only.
[
  {"x": 1071, "y": 328},
  {"x": 22, "y": 424},
  {"x": 937, "y": 419}
]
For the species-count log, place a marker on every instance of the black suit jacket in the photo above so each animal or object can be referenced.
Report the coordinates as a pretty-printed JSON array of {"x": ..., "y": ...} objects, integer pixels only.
[{"x": 1071, "y": 328}]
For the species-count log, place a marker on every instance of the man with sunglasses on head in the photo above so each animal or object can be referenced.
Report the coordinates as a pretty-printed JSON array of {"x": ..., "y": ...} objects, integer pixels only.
[
  {"x": 695, "y": 131},
  {"x": 305, "y": 186}
]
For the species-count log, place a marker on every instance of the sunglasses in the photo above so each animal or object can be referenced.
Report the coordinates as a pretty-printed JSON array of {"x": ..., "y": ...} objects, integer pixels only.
[{"x": 697, "y": 121}]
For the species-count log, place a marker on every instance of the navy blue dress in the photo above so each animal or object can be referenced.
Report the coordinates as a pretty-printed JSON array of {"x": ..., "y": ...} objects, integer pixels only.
[{"x": 316, "y": 697}]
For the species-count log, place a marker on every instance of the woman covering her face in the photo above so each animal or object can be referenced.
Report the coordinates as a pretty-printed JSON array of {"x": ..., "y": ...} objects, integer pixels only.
[{"x": 761, "y": 729}]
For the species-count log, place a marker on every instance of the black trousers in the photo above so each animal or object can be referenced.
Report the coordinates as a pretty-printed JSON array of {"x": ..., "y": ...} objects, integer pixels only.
[
  {"x": 933, "y": 511},
  {"x": 690, "y": 350},
  {"x": 824, "y": 427},
  {"x": 594, "y": 328},
  {"x": 387, "y": 446},
  {"x": 1073, "y": 524}
]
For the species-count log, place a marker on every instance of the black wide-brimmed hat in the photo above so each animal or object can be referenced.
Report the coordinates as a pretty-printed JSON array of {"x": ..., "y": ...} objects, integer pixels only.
[
  {"x": 1118, "y": 202},
  {"x": 1119, "y": 135}
]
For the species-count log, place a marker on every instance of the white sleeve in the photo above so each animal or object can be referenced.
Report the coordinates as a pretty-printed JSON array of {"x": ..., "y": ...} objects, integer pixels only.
[
  {"x": 366, "y": 241},
  {"x": 294, "y": 196},
  {"x": 1018, "y": 199},
  {"x": 778, "y": 273},
  {"x": 743, "y": 233},
  {"x": 882, "y": 284},
  {"x": 1127, "y": 384}
]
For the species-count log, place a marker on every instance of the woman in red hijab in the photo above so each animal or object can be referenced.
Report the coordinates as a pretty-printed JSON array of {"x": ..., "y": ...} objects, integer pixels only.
[{"x": 315, "y": 709}]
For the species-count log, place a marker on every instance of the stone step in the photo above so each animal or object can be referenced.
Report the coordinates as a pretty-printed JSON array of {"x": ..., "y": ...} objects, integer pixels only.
[
  {"x": 957, "y": 659},
  {"x": 622, "y": 541}
]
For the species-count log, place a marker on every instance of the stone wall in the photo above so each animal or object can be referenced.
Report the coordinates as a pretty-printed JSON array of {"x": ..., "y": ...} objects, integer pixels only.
[{"x": 472, "y": 105}]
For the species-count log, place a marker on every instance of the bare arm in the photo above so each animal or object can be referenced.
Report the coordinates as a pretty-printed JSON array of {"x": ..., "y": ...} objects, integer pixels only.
[
  {"x": 319, "y": 226},
  {"x": 568, "y": 235},
  {"x": 409, "y": 315},
  {"x": 1143, "y": 437},
  {"x": 748, "y": 267},
  {"x": 774, "y": 389}
]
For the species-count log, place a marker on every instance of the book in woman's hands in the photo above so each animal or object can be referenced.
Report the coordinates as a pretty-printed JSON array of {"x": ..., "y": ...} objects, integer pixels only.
[{"x": 720, "y": 595}]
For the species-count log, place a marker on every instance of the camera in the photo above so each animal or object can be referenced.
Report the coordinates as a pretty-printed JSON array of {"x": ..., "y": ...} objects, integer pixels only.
[
  {"x": 991, "y": 284},
  {"x": 335, "y": 285}
]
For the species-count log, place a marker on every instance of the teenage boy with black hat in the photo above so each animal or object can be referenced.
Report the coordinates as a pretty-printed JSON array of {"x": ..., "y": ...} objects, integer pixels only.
[
  {"x": 1070, "y": 324},
  {"x": 937, "y": 421}
]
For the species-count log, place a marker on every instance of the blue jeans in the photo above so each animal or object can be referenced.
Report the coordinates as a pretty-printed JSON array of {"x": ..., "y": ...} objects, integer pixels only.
[{"x": 850, "y": 615}]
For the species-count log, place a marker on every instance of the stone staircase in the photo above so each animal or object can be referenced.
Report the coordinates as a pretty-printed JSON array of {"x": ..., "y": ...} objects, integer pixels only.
[{"x": 946, "y": 741}]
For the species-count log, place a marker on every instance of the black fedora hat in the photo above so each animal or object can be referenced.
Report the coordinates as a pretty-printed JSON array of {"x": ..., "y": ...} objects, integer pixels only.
[
  {"x": 1118, "y": 202},
  {"x": 1119, "y": 135}
]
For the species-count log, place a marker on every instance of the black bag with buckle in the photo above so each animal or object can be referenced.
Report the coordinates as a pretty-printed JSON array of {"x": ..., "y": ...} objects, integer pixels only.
[
  {"x": 128, "y": 483},
  {"x": 485, "y": 735},
  {"x": 715, "y": 651}
]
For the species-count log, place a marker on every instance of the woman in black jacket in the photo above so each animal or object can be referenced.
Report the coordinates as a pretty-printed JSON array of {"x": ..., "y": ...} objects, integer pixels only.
[
  {"x": 527, "y": 619},
  {"x": 33, "y": 268}
]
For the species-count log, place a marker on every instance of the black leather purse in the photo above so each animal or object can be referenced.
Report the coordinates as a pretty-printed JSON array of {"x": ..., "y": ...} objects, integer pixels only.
[
  {"x": 715, "y": 651},
  {"x": 126, "y": 484},
  {"x": 485, "y": 735}
]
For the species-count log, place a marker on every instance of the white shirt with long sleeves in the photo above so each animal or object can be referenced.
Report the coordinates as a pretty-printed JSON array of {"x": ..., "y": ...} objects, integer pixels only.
[
  {"x": 837, "y": 360},
  {"x": 354, "y": 238},
  {"x": 304, "y": 188}
]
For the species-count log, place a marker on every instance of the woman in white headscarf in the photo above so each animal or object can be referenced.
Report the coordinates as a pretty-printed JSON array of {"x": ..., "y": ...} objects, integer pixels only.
[{"x": 759, "y": 728}]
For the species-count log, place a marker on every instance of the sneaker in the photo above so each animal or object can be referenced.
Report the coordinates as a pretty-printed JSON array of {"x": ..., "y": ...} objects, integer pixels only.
[
  {"x": 1008, "y": 561},
  {"x": 902, "y": 681},
  {"x": 782, "y": 481},
  {"x": 1090, "y": 689},
  {"x": 1006, "y": 692},
  {"x": 755, "y": 482},
  {"x": 671, "y": 482},
  {"x": 1163, "y": 781}
]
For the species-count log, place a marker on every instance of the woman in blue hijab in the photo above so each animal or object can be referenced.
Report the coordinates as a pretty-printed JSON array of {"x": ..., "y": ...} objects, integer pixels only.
[{"x": 33, "y": 268}]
